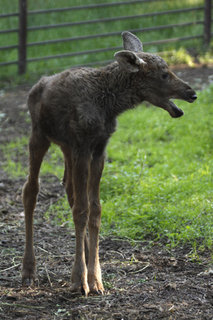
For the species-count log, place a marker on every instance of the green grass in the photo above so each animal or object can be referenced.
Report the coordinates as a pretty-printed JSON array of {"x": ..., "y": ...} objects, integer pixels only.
[
  {"x": 157, "y": 182},
  {"x": 56, "y": 65},
  {"x": 159, "y": 179},
  {"x": 16, "y": 162}
]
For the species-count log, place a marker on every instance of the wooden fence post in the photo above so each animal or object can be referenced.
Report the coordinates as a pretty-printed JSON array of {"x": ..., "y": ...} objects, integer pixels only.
[
  {"x": 207, "y": 22},
  {"x": 22, "y": 49}
]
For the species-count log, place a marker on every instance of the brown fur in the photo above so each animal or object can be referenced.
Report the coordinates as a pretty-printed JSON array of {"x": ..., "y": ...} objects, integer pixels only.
[{"x": 77, "y": 110}]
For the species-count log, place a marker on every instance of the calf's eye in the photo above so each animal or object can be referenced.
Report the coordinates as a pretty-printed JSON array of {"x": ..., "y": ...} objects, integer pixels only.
[{"x": 165, "y": 75}]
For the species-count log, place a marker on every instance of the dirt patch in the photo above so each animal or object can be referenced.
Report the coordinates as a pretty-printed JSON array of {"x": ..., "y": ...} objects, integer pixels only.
[
  {"x": 141, "y": 282},
  {"x": 199, "y": 77}
]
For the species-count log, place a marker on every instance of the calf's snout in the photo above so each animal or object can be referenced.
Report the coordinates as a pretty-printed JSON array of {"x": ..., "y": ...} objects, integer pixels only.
[
  {"x": 191, "y": 95},
  {"x": 188, "y": 94}
]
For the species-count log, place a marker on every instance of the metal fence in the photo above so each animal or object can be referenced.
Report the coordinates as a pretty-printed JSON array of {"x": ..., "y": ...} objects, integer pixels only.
[{"x": 23, "y": 29}]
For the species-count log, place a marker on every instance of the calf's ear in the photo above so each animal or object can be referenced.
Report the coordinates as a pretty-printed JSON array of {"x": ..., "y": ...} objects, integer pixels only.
[
  {"x": 128, "y": 60},
  {"x": 131, "y": 42}
]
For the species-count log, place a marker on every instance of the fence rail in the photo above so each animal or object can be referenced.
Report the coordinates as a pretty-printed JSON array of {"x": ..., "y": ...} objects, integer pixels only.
[
  {"x": 82, "y": 7},
  {"x": 71, "y": 24},
  {"x": 22, "y": 29}
]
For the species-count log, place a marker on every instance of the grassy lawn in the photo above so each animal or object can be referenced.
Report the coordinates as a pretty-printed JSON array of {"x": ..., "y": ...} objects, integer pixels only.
[{"x": 157, "y": 182}]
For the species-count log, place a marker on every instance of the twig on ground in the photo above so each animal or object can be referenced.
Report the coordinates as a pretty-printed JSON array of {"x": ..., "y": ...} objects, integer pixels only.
[
  {"x": 48, "y": 277},
  {"x": 138, "y": 271},
  {"x": 16, "y": 265},
  {"x": 20, "y": 305}
]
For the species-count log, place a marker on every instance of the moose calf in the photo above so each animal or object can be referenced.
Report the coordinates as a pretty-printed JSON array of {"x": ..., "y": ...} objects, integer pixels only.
[{"x": 77, "y": 110}]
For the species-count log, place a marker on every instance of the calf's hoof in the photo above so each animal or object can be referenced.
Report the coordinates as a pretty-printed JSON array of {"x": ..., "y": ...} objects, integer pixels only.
[
  {"x": 96, "y": 287},
  {"x": 28, "y": 277},
  {"x": 80, "y": 288},
  {"x": 28, "y": 272}
]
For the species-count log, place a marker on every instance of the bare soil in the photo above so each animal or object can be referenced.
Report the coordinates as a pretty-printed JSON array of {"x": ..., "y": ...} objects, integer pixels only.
[{"x": 141, "y": 281}]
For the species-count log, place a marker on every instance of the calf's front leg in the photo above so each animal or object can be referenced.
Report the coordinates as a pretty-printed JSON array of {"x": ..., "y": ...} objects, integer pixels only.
[
  {"x": 94, "y": 269},
  {"x": 80, "y": 171}
]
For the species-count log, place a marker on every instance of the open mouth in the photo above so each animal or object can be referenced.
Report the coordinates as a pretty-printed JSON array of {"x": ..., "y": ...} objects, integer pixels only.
[
  {"x": 171, "y": 107},
  {"x": 173, "y": 110}
]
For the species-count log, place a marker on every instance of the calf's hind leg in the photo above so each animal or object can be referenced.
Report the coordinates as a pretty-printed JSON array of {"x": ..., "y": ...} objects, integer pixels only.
[{"x": 37, "y": 148}]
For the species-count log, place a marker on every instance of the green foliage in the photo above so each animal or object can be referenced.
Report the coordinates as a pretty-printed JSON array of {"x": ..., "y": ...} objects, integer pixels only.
[
  {"x": 157, "y": 182},
  {"x": 179, "y": 56}
]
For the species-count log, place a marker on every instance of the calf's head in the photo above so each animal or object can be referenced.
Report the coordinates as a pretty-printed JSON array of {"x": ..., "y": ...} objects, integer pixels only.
[{"x": 153, "y": 81}]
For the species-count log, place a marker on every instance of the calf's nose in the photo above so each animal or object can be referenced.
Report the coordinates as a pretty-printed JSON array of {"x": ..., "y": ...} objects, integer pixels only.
[
  {"x": 191, "y": 95},
  {"x": 194, "y": 97}
]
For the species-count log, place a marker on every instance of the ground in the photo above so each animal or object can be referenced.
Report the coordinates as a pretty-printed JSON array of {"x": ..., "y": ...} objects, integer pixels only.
[{"x": 141, "y": 281}]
